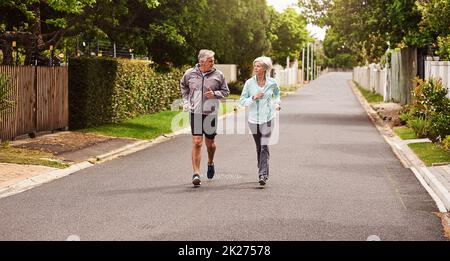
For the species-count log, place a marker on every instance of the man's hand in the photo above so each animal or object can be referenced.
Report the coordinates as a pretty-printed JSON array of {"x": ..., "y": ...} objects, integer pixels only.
[
  {"x": 209, "y": 94},
  {"x": 277, "y": 107},
  {"x": 259, "y": 95},
  {"x": 186, "y": 107}
]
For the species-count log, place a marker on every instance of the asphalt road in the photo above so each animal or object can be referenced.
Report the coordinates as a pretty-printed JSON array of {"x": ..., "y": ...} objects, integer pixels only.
[{"x": 333, "y": 177}]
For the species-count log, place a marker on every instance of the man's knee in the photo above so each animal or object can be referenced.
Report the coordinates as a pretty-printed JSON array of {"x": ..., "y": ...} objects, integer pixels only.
[
  {"x": 197, "y": 141},
  {"x": 210, "y": 143}
]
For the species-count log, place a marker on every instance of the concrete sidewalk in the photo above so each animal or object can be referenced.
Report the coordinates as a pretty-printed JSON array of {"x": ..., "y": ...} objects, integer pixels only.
[
  {"x": 15, "y": 178},
  {"x": 436, "y": 179}
]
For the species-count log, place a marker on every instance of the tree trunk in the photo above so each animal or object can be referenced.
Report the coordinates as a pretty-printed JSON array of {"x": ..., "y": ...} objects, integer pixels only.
[{"x": 35, "y": 28}]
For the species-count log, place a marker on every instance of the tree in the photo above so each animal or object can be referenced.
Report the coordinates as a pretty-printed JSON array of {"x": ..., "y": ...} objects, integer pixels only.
[
  {"x": 368, "y": 28},
  {"x": 289, "y": 35},
  {"x": 337, "y": 52},
  {"x": 435, "y": 16},
  {"x": 37, "y": 24}
]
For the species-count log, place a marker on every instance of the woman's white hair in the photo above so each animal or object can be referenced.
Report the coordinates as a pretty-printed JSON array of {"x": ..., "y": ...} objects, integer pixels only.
[
  {"x": 265, "y": 61},
  {"x": 205, "y": 54}
]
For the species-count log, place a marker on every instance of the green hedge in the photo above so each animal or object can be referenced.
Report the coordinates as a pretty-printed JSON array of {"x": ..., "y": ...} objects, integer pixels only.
[
  {"x": 236, "y": 87},
  {"x": 106, "y": 90}
]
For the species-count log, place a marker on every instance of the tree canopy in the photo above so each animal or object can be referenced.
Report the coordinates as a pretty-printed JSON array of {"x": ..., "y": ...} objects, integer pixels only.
[
  {"x": 170, "y": 32},
  {"x": 368, "y": 28}
]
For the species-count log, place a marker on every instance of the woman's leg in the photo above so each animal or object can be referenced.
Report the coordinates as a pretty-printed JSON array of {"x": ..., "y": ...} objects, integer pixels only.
[
  {"x": 266, "y": 131},
  {"x": 254, "y": 129}
]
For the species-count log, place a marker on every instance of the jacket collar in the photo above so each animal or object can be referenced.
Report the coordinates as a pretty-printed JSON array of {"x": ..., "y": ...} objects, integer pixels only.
[{"x": 197, "y": 68}]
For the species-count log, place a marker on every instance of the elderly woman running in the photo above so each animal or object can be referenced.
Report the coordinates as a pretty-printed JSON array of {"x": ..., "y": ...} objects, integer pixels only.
[{"x": 261, "y": 95}]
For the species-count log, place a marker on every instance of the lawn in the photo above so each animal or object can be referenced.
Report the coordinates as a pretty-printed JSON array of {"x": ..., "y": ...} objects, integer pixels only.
[
  {"x": 289, "y": 88},
  {"x": 233, "y": 97},
  {"x": 371, "y": 97},
  {"x": 10, "y": 154},
  {"x": 405, "y": 133},
  {"x": 430, "y": 153},
  {"x": 148, "y": 126}
]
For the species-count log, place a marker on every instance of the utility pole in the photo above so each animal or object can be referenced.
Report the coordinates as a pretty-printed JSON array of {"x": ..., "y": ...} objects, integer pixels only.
[
  {"x": 312, "y": 61},
  {"x": 307, "y": 63},
  {"x": 303, "y": 65}
]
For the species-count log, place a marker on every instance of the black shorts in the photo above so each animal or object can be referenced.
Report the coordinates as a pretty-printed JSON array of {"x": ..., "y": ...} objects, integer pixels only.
[{"x": 204, "y": 125}]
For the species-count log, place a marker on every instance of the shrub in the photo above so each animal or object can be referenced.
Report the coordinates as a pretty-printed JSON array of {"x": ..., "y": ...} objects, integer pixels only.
[
  {"x": 404, "y": 117},
  {"x": 236, "y": 87},
  {"x": 429, "y": 98},
  {"x": 439, "y": 127},
  {"x": 420, "y": 127},
  {"x": 431, "y": 105},
  {"x": 446, "y": 143},
  {"x": 405, "y": 114},
  {"x": 106, "y": 90}
]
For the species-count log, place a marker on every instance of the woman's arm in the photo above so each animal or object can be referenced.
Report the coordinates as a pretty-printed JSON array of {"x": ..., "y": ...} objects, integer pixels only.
[
  {"x": 245, "y": 99},
  {"x": 276, "y": 97},
  {"x": 276, "y": 94}
]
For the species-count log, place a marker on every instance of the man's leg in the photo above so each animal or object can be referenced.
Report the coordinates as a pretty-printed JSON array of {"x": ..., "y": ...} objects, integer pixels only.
[
  {"x": 210, "y": 131},
  {"x": 196, "y": 152},
  {"x": 211, "y": 147}
]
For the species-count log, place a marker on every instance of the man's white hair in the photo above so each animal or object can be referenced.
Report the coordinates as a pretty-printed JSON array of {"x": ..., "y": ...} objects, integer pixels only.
[
  {"x": 265, "y": 61},
  {"x": 205, "y": 54}
]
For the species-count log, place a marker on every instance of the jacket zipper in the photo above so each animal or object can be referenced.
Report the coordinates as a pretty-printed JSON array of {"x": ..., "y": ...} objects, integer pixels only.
[{"x": 203, "y": 81}]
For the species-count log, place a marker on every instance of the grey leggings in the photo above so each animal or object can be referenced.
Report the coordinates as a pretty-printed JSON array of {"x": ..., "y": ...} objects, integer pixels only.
[{"x": 261, "y": 134}]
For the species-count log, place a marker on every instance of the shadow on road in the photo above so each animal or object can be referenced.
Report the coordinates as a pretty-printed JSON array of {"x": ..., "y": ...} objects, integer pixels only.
[{"x": 186, "y": 188}]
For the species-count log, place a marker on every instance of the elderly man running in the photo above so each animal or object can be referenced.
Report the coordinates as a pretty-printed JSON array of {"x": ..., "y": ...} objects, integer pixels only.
[{"x": 201, "y": 88}]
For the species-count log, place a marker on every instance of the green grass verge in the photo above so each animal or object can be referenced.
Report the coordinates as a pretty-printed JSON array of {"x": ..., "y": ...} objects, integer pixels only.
[
  {"x": 30, "y": 157},
  {"x": 148, "y": 126},
  {"x": 405, "y": 133},
  {"x": 233, "y": 97},
  {"x": 430, "y": 153},
  {"x": 289, "y": 88},
  {"x": 371, "y": 97}
]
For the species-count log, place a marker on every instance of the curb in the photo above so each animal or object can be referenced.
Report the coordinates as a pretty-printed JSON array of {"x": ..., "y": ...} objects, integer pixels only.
[
  {"x": 407, "y": 157},
  {"x": 40, "y": 179}
]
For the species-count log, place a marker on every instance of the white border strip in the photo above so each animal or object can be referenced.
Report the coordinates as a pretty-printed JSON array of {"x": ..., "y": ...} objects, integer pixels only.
[{"x": 430, "y": 191}]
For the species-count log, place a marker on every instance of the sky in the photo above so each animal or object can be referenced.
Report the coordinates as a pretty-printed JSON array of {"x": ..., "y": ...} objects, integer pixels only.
[{"x": 280, "y": 5}]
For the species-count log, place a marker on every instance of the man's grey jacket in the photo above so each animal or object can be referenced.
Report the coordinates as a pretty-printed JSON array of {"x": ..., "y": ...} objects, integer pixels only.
[{"x": 194, "y": 84}]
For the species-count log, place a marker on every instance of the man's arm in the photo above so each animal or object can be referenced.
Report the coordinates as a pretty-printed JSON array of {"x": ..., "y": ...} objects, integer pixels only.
[
  {"x": 223, "y": 89},
  {"x": 184, "y": 89}
]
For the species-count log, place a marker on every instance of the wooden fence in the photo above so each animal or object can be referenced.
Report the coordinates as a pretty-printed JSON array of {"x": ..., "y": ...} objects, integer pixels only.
[
  {"x": 41, "y": 100},
  {"x": 372, "y": 78},
  {"x": 394, "y": 84}
]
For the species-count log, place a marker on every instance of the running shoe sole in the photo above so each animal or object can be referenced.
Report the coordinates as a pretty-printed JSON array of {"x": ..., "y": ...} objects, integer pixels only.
[
  {"x": 262, "y": 182},
  {"x": 196, "y": 182},
  {"x": 211, "y": 172}
]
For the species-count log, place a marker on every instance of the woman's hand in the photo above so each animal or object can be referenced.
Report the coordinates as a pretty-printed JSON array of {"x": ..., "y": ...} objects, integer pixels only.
[{"x": 259, "y": 95}]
